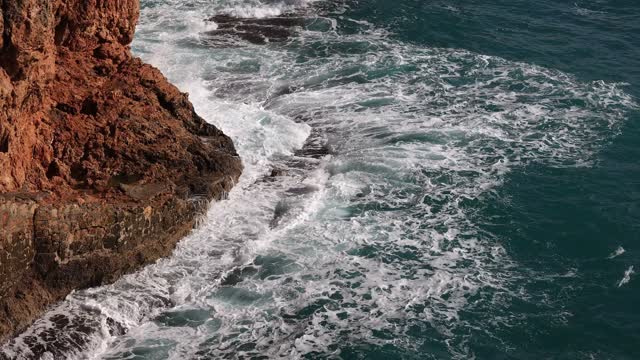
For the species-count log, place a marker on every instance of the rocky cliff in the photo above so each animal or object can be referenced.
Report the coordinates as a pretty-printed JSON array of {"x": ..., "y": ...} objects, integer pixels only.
[{"x": 104, "y": 165}]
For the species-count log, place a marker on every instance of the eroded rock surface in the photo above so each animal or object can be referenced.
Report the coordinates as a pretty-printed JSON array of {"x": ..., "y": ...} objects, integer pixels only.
[
  {"x": 104, "y": 165},
  {"x": 257, "y": 31}
]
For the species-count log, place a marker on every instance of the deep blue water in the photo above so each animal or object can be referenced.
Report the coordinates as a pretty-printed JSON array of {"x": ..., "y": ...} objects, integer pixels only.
[
  {"x": 556, "y": 220},
  {"x": 459, "y": 179},
  {"x": 595, "y": 40}
]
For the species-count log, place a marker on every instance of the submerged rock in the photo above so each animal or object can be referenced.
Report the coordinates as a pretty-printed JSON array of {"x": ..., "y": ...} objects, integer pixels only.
[
  {"x": 104, "y": 165},
  {"x": 257, "y": 31}
]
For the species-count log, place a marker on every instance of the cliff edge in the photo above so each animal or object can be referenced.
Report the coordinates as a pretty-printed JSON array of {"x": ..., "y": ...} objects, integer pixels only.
[{"x": 104, "y": 165}]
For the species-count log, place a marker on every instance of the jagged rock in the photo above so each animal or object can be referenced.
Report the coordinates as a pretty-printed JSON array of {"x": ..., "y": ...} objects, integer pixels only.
[
  {"x": 104, "y": 165},
  {"x": 257, "y": 31}
]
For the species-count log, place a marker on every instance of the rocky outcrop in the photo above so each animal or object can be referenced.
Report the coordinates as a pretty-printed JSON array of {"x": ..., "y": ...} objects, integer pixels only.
[
  {"x": 257, "y": 31},
  {"x": 104, "y": 165}
]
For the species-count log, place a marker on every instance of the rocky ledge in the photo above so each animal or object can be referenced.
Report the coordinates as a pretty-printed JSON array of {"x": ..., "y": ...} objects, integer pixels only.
[{"x": 104, "y": 165}]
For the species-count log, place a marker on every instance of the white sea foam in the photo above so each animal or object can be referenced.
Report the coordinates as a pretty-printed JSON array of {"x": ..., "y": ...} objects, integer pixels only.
[
  {"x": 619, "y": 251},
  {"x": 627, "y": 276},
  {"x": 584, "y": 11},
  {"x": 359, "y": 245},
  {"x": 465, "y": 135}
]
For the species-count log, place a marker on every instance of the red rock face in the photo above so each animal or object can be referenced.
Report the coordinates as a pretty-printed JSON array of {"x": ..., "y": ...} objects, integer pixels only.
[{"x": 89, "y": 132}]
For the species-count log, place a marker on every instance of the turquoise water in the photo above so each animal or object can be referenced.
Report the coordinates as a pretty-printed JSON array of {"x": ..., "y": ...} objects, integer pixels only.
[{"x": 456, "y": 179}]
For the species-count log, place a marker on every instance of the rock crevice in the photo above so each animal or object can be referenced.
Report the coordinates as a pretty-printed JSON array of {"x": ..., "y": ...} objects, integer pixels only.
[{"x": 101, "y": 158}]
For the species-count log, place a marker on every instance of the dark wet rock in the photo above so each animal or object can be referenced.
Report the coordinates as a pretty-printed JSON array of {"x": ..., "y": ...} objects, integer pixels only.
[
  {"x": 314, "y": 152},
  {"x": 238, "y": 275},
  {"x": 316, "y": 147},
  {"x": 283, "y": 21},
  {"x": 257, "y": 31},
  {"x": 278, "y": 172},
  {"x": 282, "y": 208},
  {"x": 63, "y": 336},
  {"x": 115, "y": 328},
  {"x": 302, "y": 190}
]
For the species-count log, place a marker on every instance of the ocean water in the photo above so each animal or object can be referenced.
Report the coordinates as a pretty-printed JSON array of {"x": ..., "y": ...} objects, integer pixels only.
[{"x": 424, "y": 180}]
